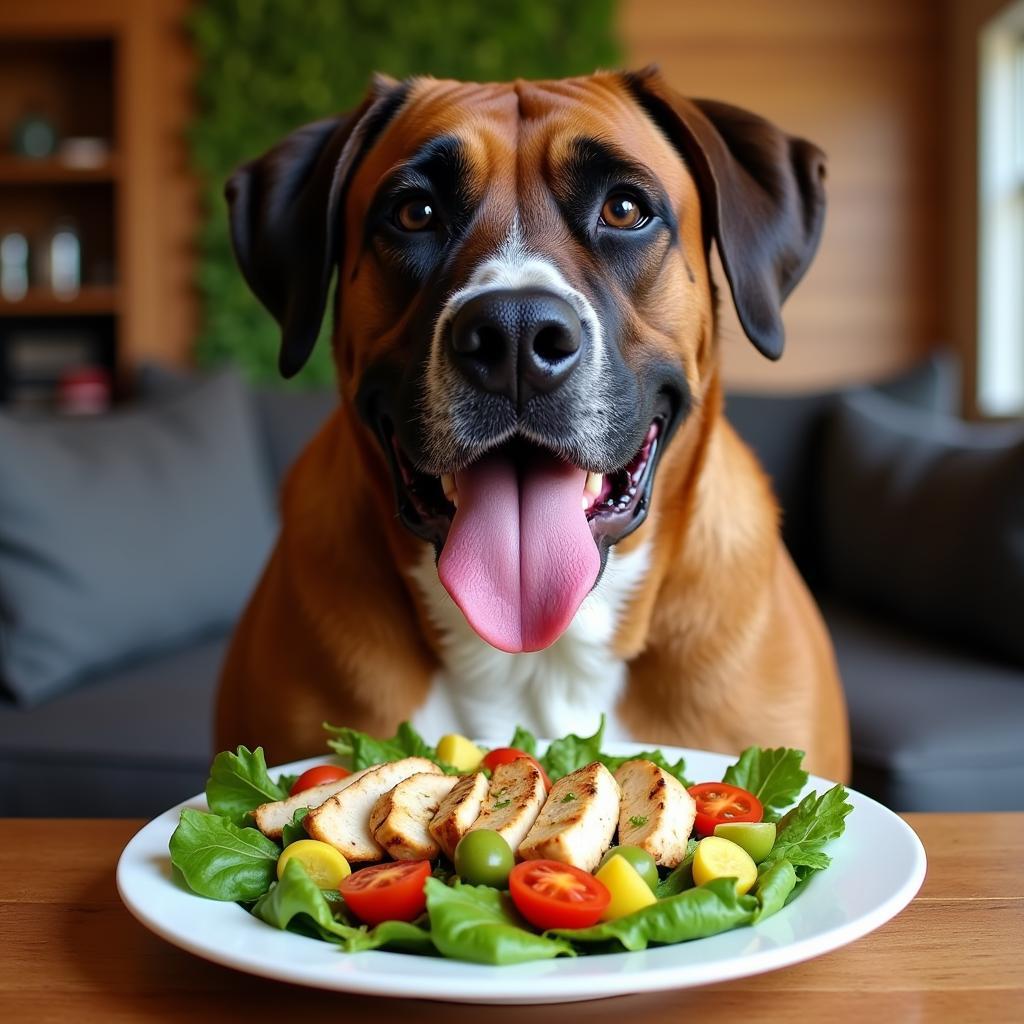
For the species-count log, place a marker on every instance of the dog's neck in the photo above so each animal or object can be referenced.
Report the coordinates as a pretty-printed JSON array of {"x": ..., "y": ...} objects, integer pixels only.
[
  {"x": 566, "y": 687},
  {"x": 562, "y": 689}
]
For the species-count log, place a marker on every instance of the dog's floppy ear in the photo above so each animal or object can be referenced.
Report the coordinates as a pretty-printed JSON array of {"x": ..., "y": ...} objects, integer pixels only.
[
  {"x": 762, "y": 192},
  {"x": 285, "y": 209}
]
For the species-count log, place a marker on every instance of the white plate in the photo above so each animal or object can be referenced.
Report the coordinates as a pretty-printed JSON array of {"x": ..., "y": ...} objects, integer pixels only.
[{"x": 878, "y": 866}]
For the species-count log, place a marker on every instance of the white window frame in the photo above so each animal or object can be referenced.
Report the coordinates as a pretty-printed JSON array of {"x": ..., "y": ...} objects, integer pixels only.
[{"x": 1000, "y": 356}]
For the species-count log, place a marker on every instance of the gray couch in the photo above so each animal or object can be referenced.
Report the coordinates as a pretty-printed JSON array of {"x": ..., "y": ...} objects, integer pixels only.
[{"x": 937, "y": 723}]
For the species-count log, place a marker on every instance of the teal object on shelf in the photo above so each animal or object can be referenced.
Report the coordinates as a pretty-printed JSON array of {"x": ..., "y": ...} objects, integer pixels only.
[{"x": 34, "y": 137}]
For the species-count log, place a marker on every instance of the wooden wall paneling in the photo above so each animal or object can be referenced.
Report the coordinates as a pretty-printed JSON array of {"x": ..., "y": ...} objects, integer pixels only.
[{"x": 862, "y": 80}]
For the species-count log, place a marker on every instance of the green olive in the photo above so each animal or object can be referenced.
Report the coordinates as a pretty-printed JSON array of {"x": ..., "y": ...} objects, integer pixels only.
[
  {"x": 756, "y": 837},
  {"x": 484, "y": 858},
  {"x": 641, "y": 860}
]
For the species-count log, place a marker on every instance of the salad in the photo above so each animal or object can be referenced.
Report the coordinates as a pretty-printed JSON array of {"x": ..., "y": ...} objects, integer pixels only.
[{"x": 508, "y": 855}]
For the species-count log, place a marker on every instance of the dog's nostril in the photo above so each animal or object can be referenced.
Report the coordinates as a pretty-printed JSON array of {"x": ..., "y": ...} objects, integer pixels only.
[
  {"x": 483, "y": 343},
  {"x": 553, "y": 343},
  {"x": 489, "y": 344}
]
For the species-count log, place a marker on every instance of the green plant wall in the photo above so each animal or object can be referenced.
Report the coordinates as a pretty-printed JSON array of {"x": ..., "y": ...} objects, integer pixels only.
[{"x": 268, "y": 66}]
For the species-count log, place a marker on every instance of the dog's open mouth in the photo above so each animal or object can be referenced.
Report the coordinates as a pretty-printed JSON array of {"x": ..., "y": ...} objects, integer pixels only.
[{"x": 522, "y": 532}]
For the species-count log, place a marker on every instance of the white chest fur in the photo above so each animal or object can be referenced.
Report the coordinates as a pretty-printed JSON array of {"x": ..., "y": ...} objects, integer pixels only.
[{"x": 483, "y": 692}]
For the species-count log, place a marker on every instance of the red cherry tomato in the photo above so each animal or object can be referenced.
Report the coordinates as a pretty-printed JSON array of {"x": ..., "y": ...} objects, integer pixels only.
[
  {"x": 387, "y": 892},
  {"x": 318, "y": 776},
  {"x": 506, "y": 755},
  {"x": 718, "y": 802},
  {"x": 550, "y": 894}
]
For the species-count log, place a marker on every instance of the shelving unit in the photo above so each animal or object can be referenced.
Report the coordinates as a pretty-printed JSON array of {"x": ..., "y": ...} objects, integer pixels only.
[
  {"x": 19, "y": 170},
  {"x": 91, "y": 300},
  {"x": 119, "y": 71},
  {"x": 68, "y": 81}
]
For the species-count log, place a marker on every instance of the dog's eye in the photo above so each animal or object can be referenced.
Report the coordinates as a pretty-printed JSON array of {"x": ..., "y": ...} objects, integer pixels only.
[
  {"x": 623, "y": 211},
  {"x": 416, "y": 215}
]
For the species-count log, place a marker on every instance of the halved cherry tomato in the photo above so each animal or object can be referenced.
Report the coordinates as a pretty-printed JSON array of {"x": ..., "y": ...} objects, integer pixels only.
[
  {"x": 506, "y": 755},
  {"x": 718, "y": 802},
  {"x": 387, "y": 892},
  {"x": 318, "y": 776},
  {"x": 550, "y": 894}
]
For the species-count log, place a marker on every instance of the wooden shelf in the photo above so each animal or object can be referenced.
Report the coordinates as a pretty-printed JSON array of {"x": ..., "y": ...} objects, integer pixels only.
[
  {"x": 92, "y": 300},
  {"x": 20, "y": 170}
]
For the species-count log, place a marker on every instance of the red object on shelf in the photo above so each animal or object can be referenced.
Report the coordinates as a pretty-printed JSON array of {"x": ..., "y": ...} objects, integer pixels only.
[{"x": 84, "y": 391}]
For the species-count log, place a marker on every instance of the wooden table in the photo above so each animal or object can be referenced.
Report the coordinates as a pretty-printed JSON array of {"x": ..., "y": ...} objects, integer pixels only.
[{"x": 70, "y": 952}]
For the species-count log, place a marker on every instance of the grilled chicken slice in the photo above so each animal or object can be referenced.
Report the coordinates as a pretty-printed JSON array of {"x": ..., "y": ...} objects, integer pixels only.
[
  {"x": 514, "y": 799},
  {"x": 400, "y": 817},
  {"x": 577, "y": 823},
  {"x": 271, "y": 818},
  {"x": 457, "y": 812},
  {"x": 343, "y": 820},
  {"x": 656, "y": 813}
]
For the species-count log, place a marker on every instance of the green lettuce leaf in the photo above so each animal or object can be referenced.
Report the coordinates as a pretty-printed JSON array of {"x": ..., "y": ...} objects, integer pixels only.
[
  {"x": 363, "y": 751},
  {"x": 804, "y": 831},
  {"x": 295, "y": 903},
  {"x": 681, "y": 877},
  {"x": 773, "y": 776},
  {"x": 220, "y": 860},
  {"x": 524, "y": 740},
  {"x": 570, "y": 752},
  {"x": 693, "y": 914},
  {"x": 285, "y": 782},
  {"x": 294, "y": 830},
  {"x": 774, "y": 886},
  {"x": 480, "y": 924},
  {"x": 239, "y": 783}
]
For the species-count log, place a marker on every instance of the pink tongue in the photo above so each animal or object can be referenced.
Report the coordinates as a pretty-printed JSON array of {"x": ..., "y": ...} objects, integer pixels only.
[{"x": 519, "y": 557}]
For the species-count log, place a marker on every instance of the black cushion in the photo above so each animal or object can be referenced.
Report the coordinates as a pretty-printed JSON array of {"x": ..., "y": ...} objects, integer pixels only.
[
  {"x": 786, "y": 433},
  {"x": 924, "y": 520},
  {"x": 934, "y": 727},
  {"x": 129, "y": 744}
]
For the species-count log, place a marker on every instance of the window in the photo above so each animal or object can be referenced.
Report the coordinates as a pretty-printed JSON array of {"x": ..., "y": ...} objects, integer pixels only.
[{"x": 1001, "y": 216}]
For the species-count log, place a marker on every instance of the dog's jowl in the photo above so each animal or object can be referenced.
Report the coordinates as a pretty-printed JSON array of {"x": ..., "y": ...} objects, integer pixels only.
[{"x": 529, "y": 505}]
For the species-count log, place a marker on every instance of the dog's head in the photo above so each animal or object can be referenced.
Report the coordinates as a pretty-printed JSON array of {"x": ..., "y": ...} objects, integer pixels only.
[{"x": 524, "y": 307}]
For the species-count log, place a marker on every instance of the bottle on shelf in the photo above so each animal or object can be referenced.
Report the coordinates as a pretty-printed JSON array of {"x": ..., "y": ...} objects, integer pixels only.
[
  {"x": 13, "y": 266},
  {"x": 64, "y": 260}
]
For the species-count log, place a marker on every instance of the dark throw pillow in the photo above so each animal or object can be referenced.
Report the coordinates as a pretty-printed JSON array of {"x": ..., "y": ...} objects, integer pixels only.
[
  {"x": 925, "y": 520},
  {"x": 127, "y": 535}
]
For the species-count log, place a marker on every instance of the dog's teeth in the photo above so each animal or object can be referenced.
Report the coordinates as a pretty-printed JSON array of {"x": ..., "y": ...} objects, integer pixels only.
[
  {"x": 595, "y": 481},
  {"x": 449, "y": 488}
]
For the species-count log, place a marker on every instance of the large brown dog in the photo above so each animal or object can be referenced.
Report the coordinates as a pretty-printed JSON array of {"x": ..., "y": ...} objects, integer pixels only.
[{"x": 525, "y": 345}]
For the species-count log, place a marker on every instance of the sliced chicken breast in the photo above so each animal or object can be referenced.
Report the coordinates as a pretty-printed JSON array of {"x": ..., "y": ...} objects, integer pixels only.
[
  {"x": 514, "y": 799},
  {"x": 577, "y": 822},
  {"x": 656, "y": 812},
  {"x": 400, "y": 817},
  {"x": 271, "y": 818},
  {"x": 343, "y": 820},
  {"x": 457, "y": 812}
]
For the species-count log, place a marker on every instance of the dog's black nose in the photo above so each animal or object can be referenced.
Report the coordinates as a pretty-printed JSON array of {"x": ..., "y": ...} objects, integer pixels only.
[{"x": 516, "y": 342}]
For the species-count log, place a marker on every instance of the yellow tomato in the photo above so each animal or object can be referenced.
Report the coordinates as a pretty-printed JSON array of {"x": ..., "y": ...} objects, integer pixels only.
[
  {"x": 629, "y": 891},
  {"x": 716, "y": 857},
  {"x": 324, "y": 865},
  {"x": 461, "y": 753}
]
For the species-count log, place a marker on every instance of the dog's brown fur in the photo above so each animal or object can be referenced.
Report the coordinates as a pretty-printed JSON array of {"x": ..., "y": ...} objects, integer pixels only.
[{"x": 724, "y": 644}]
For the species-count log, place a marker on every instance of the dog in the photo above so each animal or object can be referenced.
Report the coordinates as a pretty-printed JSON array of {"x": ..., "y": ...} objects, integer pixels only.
[{"x": 529, "y": 506}]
